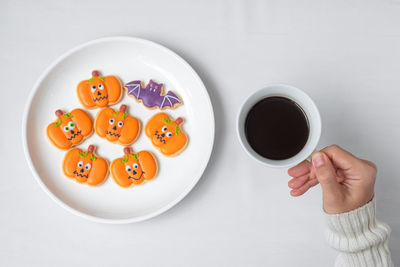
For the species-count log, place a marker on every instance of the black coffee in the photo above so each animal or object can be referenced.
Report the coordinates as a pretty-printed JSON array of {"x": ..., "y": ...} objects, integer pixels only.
[{"x": 276, "y": 128}]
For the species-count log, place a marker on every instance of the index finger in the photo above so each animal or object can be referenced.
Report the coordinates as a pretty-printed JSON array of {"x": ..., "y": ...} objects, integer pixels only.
[{"x": 300, "y": 169}]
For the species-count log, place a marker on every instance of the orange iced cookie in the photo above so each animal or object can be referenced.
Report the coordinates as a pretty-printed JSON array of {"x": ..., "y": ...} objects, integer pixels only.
[
  {"x": 70, "y": 129},
  {"x": 85, "y": 166},
  {"x": 134, "y": 168},
  {"x": 99, "y": 91},
  {"x": 117, "y": 126},
  {"x": 166, "y": 134}
]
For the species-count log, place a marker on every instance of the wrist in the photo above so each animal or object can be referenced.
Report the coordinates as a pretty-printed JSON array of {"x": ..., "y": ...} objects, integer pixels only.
[{"x": 343, "y": 204}]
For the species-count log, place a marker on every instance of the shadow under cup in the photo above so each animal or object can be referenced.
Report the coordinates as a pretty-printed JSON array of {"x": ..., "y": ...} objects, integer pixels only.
[{"x": 302, "y": 100}]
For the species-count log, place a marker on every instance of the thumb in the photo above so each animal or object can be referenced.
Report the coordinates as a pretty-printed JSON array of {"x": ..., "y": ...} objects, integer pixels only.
[{"x": 326, "y": 174}]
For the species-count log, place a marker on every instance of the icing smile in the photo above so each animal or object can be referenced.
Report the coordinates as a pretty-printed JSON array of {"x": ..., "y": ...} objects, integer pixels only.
[
  {"x": 80, "y": 175},
  {"x": 74, "y": 135},
  {"x": 131, "y": 177},
  {"x": 113, "y": 134},
  {"x": 97, "y": 99}
]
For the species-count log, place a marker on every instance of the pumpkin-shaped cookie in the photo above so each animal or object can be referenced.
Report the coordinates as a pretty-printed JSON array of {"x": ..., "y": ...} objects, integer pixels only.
[
  {"x": 99, "y": 91},
  {"x": 166, "y": 134},
  {"x": 117, "y": 126},
  {"x": 70, "y": 129},
  {"x": 134, "y": 168},
  {"x": 85, "y": 166}
]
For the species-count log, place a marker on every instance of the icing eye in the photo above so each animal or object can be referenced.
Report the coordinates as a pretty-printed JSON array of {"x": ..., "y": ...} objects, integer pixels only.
[
  {"x": 128, "y": 168},
  {"x": 66, "y": 129},
  {"x": 88, "y": 166},
  {"x": 111, "y": 121},
  {"x": 169, "y": 134},
  {"x": 93, "y": 88},
  {"x": 120, "y": 124},
  {"x": 71, "y": 125},
  {"x": 135, "y": 165},
  {"x": 101, "y": 87},
  {"x": 164, "y": 129},
  {"x": 80, "y": 164}
]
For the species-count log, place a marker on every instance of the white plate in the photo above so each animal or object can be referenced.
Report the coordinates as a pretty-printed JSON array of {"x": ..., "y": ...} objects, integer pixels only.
[{"x": 130, "y": 59}]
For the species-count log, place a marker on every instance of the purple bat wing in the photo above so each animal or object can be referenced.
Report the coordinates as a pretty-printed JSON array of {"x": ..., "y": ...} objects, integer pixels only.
[
  {"x": 134, "y": 89},
  {"x": 170, "y": 100}
]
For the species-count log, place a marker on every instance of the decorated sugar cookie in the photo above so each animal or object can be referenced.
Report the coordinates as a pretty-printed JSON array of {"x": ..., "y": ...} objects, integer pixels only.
[
  {"x": 69, "y": 129},
  {"x": 133, "y": 168},
  {"x": 99, "y": 91},
  {"x": 117, "y": 126},
  {"x": 152, "y": 96},
  {"x": 166, "y": 135},
  {"x": 85, "y": 166}
]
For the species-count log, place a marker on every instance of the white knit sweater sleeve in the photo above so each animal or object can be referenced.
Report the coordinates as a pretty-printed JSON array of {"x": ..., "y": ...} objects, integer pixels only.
[{"x": 359, "y": 237}]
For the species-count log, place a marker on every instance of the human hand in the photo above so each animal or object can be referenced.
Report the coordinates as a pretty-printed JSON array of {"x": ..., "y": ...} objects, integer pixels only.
[{"x": 347, "y": 182}]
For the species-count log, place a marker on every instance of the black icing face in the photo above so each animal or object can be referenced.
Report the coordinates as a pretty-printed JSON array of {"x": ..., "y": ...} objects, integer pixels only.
[
  {"x": 83, "y": 170},
  {"x": 134, "y": 171},
  {"x": 99, "y": 92},
  {"x": 161, "y": 136},
  {"x": 115, "y": 127},
  {"x": 71, "y": 131}
]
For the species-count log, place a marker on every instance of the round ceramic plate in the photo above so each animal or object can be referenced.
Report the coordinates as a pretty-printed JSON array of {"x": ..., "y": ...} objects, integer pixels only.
[{"x": 129, "y": 59}]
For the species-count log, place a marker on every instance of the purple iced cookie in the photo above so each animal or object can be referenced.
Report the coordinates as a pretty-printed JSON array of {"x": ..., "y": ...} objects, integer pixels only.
[{"x": 152, "y": 95}]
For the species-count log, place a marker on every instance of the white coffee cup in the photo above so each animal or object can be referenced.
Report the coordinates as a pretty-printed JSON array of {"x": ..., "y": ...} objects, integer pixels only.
[{"x": 309, "y": 108}]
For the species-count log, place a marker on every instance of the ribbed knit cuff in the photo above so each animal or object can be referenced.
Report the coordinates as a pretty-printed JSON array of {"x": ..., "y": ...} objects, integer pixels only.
[{"x": 360, "y": 237}]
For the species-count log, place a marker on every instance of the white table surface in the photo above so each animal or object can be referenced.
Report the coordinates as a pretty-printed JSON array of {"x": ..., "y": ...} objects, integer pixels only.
[{"x": 344, "y": 54}]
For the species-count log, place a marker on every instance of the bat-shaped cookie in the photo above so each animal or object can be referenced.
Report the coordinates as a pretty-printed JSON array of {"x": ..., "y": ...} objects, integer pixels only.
[{"x": 152, "y": 95}]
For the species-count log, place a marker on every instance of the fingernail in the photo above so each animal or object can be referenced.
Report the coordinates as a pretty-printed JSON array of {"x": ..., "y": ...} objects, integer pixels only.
[{"x": 318, "y": 160}]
